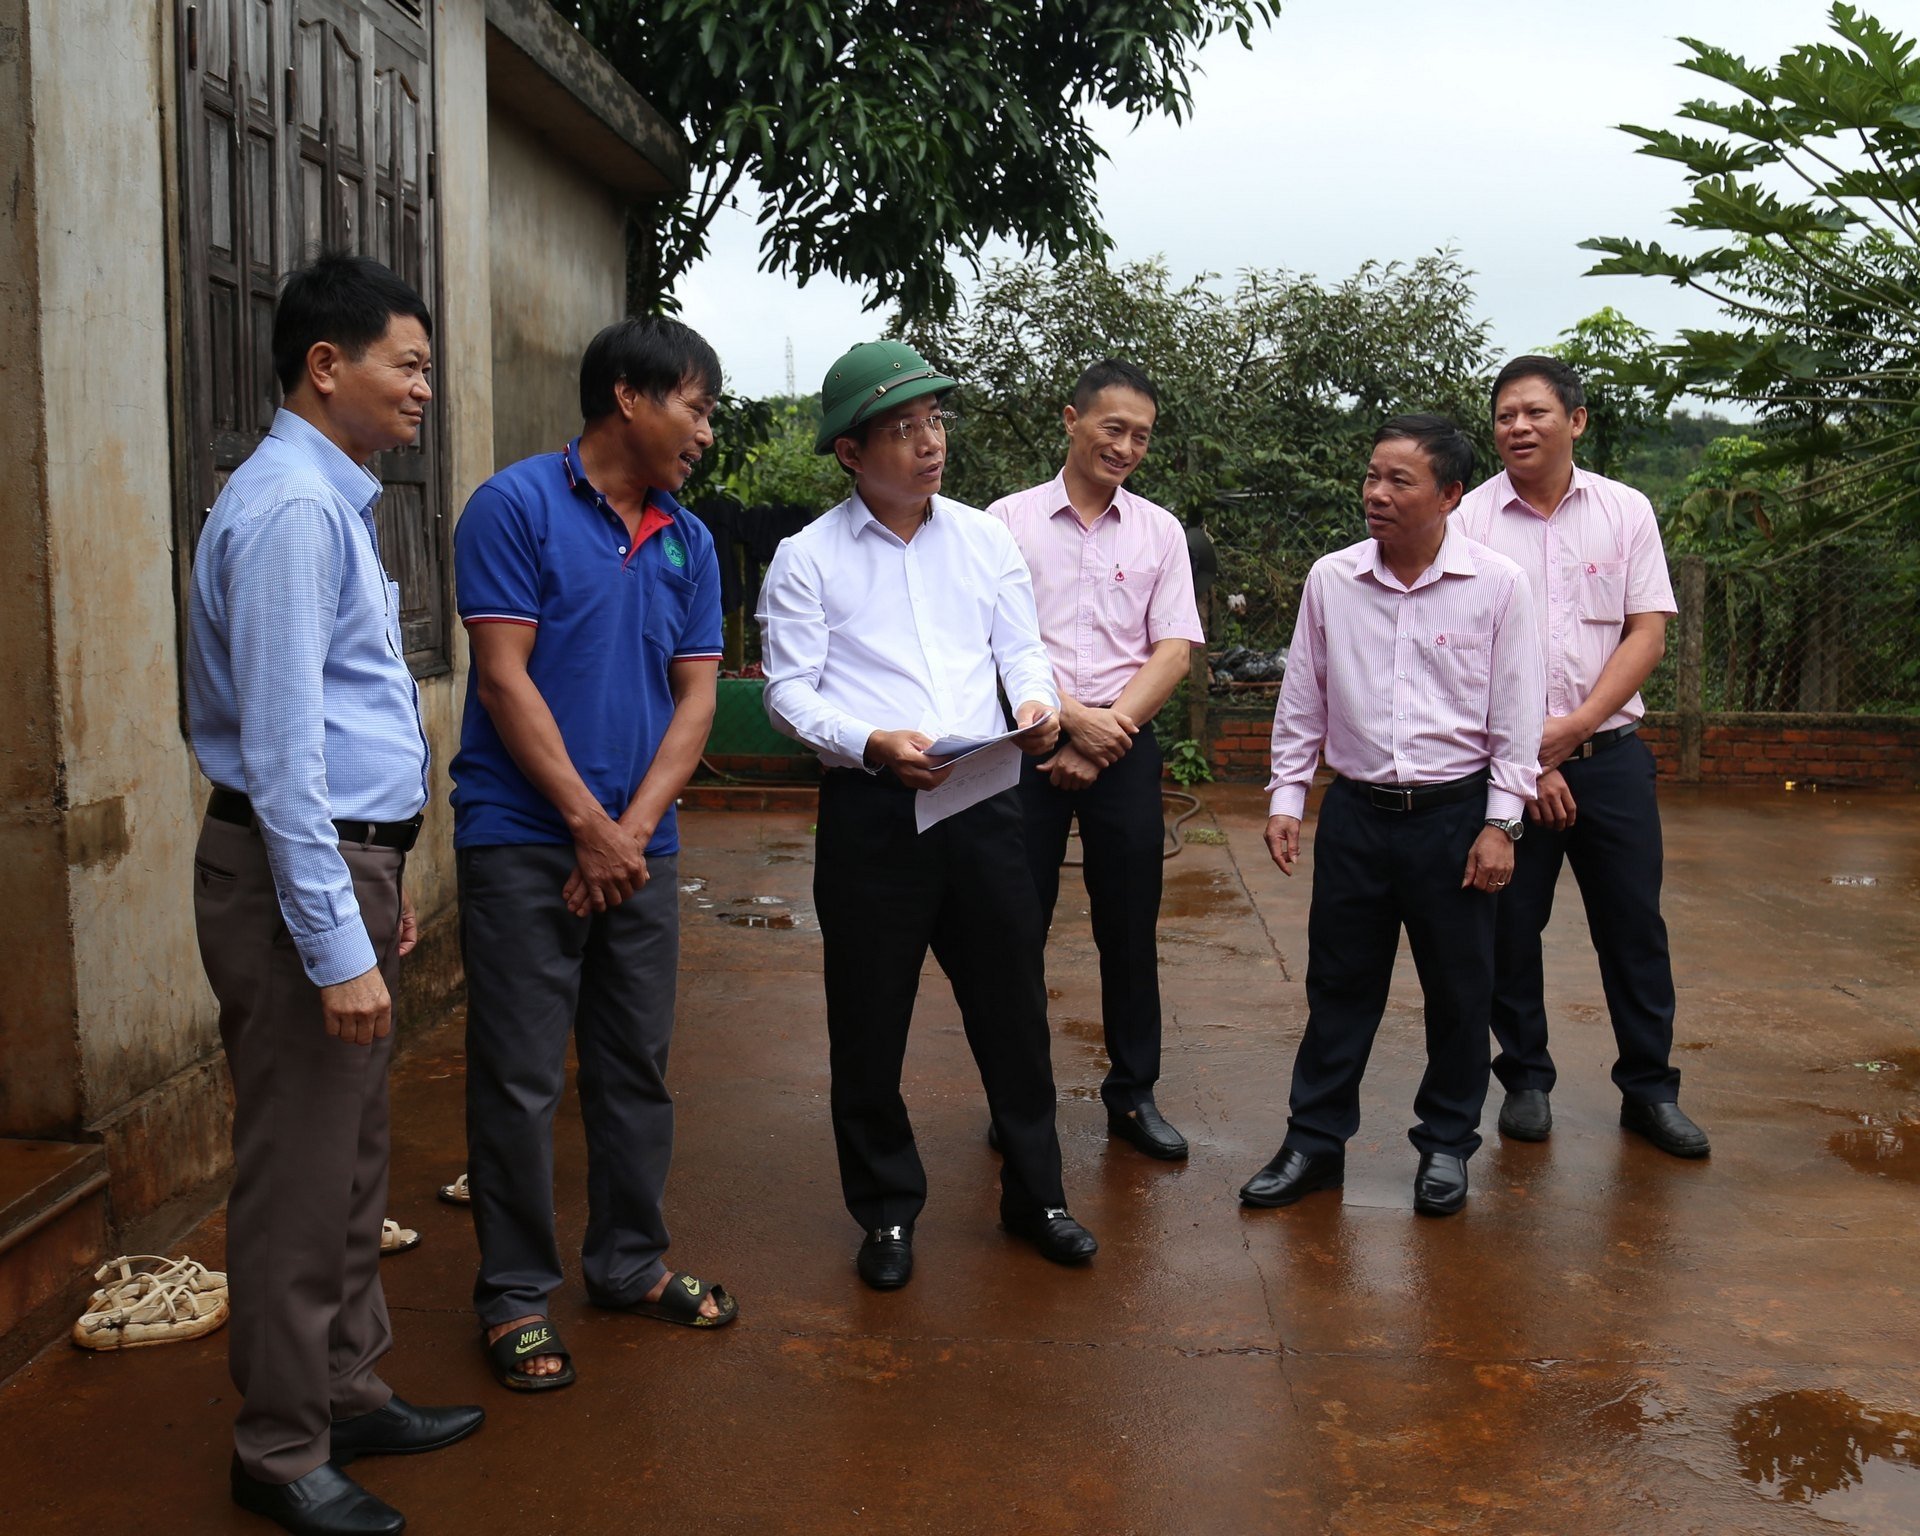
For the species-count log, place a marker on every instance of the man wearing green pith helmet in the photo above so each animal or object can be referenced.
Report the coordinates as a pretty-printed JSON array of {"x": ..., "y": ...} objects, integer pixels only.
[{"x": 891, "y": 622}]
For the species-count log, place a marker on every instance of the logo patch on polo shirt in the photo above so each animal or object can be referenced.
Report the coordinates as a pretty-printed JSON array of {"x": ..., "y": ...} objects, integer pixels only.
[{"x": 676, "y": 553}]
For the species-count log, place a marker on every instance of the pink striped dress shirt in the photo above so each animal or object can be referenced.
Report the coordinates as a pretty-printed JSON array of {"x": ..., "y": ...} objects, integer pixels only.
[
  {"x": 1597, "y": 559},
  {"x": 1412, "y": 685},
  {"x": 1106, "y": 595}
]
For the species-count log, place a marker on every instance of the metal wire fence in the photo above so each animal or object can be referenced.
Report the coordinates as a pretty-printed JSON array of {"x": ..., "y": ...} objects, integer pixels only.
[{"x": 1831, "y": 629}]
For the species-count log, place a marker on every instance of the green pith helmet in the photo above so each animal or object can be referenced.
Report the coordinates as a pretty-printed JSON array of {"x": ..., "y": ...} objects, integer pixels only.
[{"x": 869, "y": 379}]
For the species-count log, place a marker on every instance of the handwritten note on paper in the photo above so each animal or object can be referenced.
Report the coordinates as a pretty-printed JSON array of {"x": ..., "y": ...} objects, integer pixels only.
[{"x": 978, "y": 776}]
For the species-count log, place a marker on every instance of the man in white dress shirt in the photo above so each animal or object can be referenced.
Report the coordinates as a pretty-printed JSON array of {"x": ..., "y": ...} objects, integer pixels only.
[{"x": 889, "y": 622}]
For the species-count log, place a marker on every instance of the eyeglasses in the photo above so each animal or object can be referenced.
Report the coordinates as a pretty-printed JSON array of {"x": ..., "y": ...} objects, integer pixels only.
[{"x": 907, "y": 428}]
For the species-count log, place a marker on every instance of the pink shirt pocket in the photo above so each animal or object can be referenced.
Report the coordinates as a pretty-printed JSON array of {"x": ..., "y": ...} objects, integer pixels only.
[{"x": 1459, "y": 665}]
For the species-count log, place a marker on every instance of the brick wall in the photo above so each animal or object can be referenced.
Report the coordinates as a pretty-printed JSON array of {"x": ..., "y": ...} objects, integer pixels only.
[
  {"x": 1870, "y": 751},
  {"x": 1865, "y": 750}
]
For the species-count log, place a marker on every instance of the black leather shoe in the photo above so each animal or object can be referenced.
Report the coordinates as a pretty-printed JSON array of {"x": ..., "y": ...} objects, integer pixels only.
[
  {"x": 1526, "y": 1115},
  {"x": 326, "y": 1502},
  {"x": 1292, "y": 1174},
  {"x": 886, "y": 1258},
  {"x": 1147, "y": 1129},
  {"x": 1440, "y": 1185},
  {"x": 1667, "y": 1127},
  {"x": 1056, "y": 1234},
  {"x": 400, "y": 1429}
]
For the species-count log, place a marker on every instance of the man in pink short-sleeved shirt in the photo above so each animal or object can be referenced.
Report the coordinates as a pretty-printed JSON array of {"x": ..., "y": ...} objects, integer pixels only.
[
  {"x": 1114, "y": 592},
  {"x": 1591, "y": 550},
  {"x": 1414, "y": 669}
]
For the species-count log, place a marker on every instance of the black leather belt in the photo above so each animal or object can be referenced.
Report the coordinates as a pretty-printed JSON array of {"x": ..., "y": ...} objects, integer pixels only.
[
  {"x": 1601, "y": 740},
  {"x": 230, "y": 805},
  {"x": 1417, "y": 797}
]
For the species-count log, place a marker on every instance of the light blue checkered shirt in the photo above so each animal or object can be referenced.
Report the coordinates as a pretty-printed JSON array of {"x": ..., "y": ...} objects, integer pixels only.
[{"x": 298, "y": 693}]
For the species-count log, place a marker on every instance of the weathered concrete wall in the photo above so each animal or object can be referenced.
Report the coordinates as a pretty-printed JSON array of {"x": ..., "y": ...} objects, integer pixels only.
[
  {"x": 143, "y": 1006},
  {"x": 558, "y": 262},
  {"x": 40, "y": 1082}
]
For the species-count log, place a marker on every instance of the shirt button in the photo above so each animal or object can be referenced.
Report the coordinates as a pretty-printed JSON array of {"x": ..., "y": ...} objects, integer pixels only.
[
  {"x": 623, "y": 549},
  {"x": 1401, "y": 716}
]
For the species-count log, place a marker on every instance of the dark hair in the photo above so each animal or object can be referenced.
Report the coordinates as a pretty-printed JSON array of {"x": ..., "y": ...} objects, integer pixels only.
[
  {"x": 1564, "y": 382},
  {"x": 652, "y": 353},
  {"x": 1449, "y": 450},
  {"x": 1111, "y": 373},
  {"x": 337, "y": 297}
]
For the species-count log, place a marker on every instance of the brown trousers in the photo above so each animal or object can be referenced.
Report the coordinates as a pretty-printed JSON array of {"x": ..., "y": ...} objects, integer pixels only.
[{"x": 309, "y": 1159}]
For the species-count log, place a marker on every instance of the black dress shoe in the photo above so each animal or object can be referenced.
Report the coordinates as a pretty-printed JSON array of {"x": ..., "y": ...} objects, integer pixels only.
[
  {"x": 1440, "y": 1185},
  {"x": 1056, "y": 1234},
  {"x": 1292, "y": 1174},
  {"x": 886, "y": 1258},
  {"x": 326, "y": 1502},
  {"x": 1666, "y": 1126},
  {"x": 1526, "y": 1115},
  {"x": 400, "y": 1429},
  {"x": 1147, "y": 1129}
]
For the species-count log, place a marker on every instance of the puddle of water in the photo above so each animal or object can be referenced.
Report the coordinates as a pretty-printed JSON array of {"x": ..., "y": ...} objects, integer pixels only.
[
  {"x": 1635, "y": 1410},
  {"x": 1090, "y": 1030},
  {"x": 757, "y": 912},
  {"x": 1200, "y": 893},
  {"x": 1887, "y": 1148},
  {"x": 1826, "y": 1448},
  {"x": 1850, "y": 879},
  {"x": 785, "y": 858},
  {"x": 692, "y": 887}
]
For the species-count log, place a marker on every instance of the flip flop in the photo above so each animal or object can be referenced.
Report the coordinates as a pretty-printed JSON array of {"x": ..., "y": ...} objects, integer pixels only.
[
  {"x": 457, "y": 1192},
  {"x": 680, "y": 1303},
  {"x": 395, "y": 1238},
  {"x": 505, "y": 1353}
]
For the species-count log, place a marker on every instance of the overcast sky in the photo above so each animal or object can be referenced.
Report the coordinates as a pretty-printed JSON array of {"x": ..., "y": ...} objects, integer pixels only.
[{"x": 1366, "y": 128}]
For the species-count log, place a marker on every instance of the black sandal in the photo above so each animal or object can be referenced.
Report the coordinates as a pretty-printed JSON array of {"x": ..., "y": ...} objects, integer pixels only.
[
  {"x": 524, "y": 1343},
  {"x": 680, "y": 1303}
]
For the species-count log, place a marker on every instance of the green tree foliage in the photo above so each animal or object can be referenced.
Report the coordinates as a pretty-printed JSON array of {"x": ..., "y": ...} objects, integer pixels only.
[
  {"x": 882, "y": 137},
  {"x": 1807, "y": 191},
  {"x": 1627, "y": 384},
  {"x": 781, "y": 469},
  {"x": 1270, "y": 391}
]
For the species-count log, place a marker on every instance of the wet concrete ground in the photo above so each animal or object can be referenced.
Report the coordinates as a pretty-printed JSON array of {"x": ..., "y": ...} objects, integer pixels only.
[{"x": 1606, "y": 1340}]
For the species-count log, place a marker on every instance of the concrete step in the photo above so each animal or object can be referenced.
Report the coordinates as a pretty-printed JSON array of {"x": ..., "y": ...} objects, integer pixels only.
[{"x": 53, "y": 1227}]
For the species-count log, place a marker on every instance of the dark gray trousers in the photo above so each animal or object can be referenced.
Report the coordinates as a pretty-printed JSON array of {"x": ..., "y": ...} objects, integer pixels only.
[
  {"x": 309, "y": 1159},
  {"x": 536, "y": 973}
]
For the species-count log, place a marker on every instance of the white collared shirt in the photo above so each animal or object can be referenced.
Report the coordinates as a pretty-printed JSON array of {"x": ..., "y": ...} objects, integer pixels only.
[{"x": 862, "y": 631}]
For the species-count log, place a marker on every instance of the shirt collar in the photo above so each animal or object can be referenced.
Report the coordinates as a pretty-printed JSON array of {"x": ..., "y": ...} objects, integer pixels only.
[
  {"x": 1059, "y": 501},
  {"x": 861, "y": 516},
  {"x": 1452, "y": 560},
  {"x": 353, "y": 484},
  {"x": 580, "y": 485},
  {"x": 1510, "y": 500}
]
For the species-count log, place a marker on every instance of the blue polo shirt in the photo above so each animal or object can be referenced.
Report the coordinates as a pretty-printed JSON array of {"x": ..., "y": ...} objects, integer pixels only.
[{"x": 538, "y": 545}]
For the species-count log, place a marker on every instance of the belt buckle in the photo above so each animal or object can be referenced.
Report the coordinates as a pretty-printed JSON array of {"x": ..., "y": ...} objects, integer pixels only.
[
  {"x": 1397, "y": 798},
  {"x": 373, "y": 828},
  {"x": 1585, "y": 749}
]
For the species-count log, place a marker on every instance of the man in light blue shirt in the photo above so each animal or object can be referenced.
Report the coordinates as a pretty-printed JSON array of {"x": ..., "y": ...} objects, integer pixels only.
[{"x": 307, "y": 721}]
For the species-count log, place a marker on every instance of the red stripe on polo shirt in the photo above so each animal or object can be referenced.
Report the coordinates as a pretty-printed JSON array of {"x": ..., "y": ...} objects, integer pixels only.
[{"x": 499, "y": 618}]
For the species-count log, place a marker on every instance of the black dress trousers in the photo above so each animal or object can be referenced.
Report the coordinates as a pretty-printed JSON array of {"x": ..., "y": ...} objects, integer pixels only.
[
  {"x": 1615, "y": 849},
  {"x": 1375, "y": 871},
  {"x": 885, "y": 893},
  {"x": 1122, "y": 834}
]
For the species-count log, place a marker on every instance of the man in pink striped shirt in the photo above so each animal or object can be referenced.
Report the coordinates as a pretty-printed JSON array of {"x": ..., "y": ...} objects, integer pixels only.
[
  {"x": 1591, "y": 550},
  {"x": 1114, "y": 590},
  {"x": 1414, "y": 668}
]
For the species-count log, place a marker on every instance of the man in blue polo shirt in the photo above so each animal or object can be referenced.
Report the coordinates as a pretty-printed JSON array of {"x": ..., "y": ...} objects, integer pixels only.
[{"x": 592, "y": 605}]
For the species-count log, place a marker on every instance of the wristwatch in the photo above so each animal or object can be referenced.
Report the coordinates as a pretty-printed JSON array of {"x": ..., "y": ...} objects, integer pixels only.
[{"x": 1512, "y": 828}]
